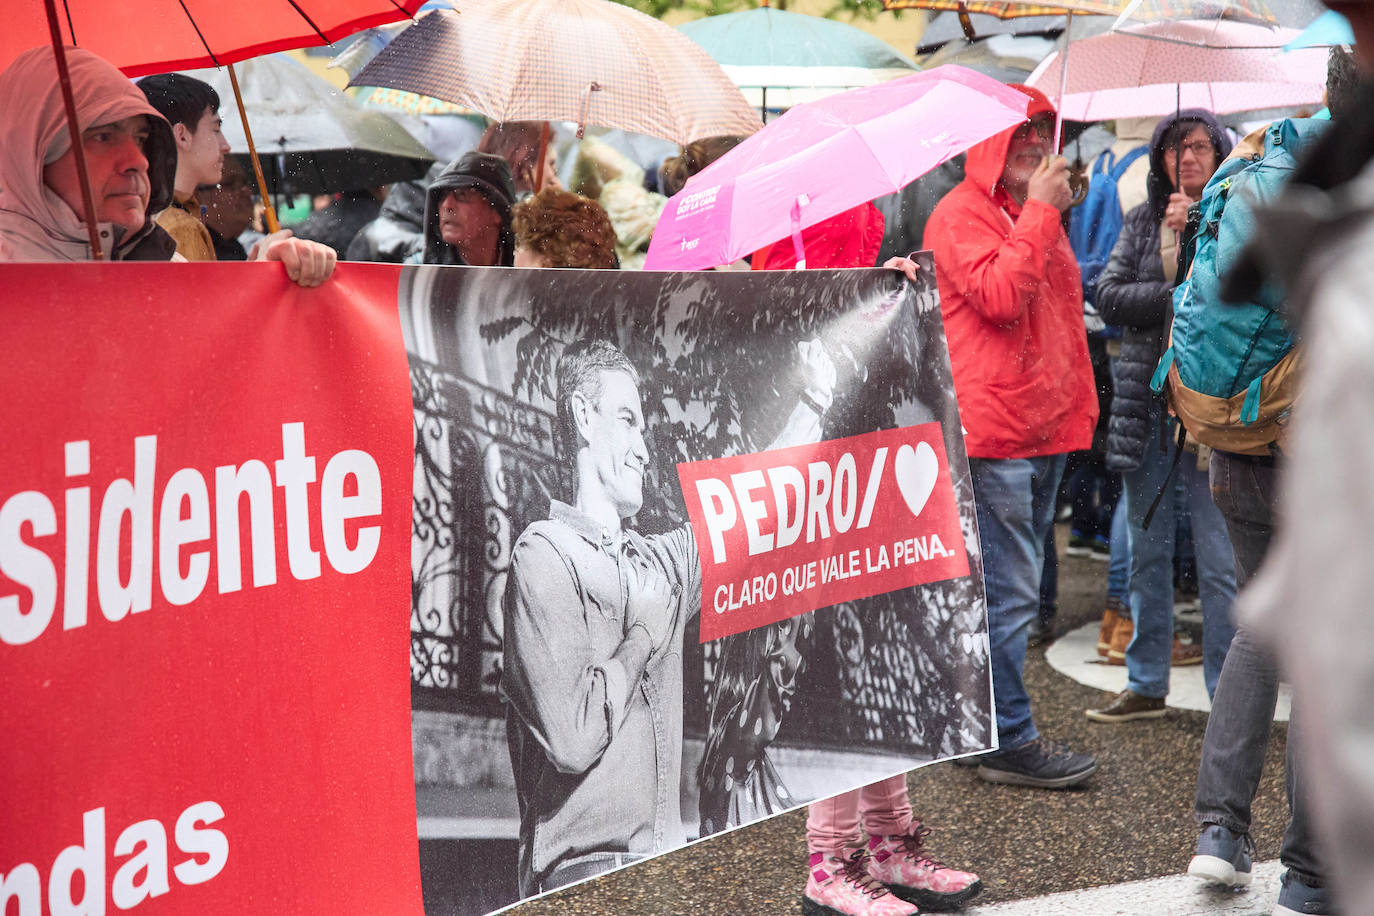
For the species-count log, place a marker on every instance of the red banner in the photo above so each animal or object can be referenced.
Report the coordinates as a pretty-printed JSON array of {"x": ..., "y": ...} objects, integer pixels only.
[
  {"x": 204, "y": 554},
  {"x": 788, "y": 531}
]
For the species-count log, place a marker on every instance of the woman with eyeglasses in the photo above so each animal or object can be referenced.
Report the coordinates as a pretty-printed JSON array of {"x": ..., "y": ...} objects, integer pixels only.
[{"x": 1135, "y": 291}]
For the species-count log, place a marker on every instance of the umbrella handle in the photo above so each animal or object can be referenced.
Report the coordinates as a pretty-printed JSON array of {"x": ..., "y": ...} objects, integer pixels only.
[
  {"x": 270, "y": 215},
  {"x": 798, "y": 250},
  {"x": 64, "y": 79},
  {"x": 586, "y": 108}
]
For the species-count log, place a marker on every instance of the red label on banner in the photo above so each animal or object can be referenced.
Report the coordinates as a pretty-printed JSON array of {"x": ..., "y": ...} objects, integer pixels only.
[
  {"x": 204, "y": 587},
  {"x": 784, "y": 532}
]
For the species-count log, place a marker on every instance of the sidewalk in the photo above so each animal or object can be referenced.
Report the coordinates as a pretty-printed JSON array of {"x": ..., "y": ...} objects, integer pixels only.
[{"x": 1176, "y": 895}]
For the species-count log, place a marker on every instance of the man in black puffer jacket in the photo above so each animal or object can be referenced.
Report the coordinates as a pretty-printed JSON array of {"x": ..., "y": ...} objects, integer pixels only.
[{"x": 1134, "y": 291}]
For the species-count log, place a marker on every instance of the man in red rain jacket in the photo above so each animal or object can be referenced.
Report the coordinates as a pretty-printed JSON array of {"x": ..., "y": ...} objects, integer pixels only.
[{"x": 1013, "y": 310}]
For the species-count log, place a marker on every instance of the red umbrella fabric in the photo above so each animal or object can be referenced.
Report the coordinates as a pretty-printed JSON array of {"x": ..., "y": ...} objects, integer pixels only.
[{"x": 155, "y": 36}]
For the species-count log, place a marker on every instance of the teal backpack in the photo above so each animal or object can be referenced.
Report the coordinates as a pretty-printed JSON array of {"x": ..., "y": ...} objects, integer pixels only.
[{"x": 1231, "y": 366}]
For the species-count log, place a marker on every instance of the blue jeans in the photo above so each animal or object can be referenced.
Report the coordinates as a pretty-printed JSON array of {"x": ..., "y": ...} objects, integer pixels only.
[
  {"x": 1243, "y": 708},
  {"x": 1152, "y": 570},
  {"x": 1015, "y": 507},
  {"x": 1049, "y": 582},
  {"x": 1119, "y": 566}
]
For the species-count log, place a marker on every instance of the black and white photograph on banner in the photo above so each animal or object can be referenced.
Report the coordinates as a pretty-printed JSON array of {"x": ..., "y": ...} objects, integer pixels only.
[{"x": 668, "y": 577}]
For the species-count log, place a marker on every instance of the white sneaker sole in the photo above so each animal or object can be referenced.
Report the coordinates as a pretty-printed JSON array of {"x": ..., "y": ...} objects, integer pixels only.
[{"x": 1218, "y": 871}]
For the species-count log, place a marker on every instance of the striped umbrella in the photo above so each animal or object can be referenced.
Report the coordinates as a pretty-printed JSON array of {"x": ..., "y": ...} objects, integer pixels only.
[{"x": 588, "y": 61}]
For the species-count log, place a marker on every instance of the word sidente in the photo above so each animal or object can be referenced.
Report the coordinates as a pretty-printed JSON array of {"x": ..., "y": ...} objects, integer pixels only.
[{"x": 171, "y": 536}]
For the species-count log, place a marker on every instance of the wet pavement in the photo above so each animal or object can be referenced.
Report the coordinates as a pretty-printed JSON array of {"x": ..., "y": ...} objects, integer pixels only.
[{"x": 1132, "y": 821}]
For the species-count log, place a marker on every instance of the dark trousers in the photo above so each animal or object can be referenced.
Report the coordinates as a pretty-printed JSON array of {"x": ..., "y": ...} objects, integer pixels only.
[{"x": 1237, "y": 734}]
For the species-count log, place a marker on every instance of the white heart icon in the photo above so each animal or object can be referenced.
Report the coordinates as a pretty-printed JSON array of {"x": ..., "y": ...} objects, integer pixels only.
[{"x": 916, "y": 469}]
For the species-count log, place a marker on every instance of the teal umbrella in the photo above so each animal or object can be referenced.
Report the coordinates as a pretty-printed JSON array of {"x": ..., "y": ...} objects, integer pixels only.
[
  {"x": 1330, "y": 28},
  {"x": 779, "y": 59}
]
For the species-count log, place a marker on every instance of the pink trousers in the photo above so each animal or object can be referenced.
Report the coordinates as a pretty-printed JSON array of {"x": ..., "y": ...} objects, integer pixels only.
[{"x": 833, "y": 823}]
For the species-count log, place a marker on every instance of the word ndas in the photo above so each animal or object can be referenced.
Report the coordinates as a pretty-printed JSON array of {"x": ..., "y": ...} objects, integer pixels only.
[{"x": 142, "y": 876}]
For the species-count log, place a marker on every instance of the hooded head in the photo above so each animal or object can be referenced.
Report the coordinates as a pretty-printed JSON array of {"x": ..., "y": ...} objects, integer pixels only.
[
  {"x": 1171, "y": 133},
  {"x": 987, "y": 160},
  {"x": 477, "y": 172},
  {"x": 37, "y": 220}
]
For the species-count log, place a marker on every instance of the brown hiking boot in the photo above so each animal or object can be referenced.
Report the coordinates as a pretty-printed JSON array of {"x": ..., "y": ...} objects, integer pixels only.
[
  {"x": 1180, "y": 654},
  {"x": 1110, "y": 616},
  {"x": 1128, "y": 706},
  {"x": 1185, "y": 653},
  {"x": 1121, "y": 638}
]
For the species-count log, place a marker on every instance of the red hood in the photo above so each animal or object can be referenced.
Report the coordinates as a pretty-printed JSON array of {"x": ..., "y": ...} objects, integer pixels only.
[{"x": 986, "y": 160}]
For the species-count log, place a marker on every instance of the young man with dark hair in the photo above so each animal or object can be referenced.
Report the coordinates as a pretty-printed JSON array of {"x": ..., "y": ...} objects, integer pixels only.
[{"x": 192, "y": 108}]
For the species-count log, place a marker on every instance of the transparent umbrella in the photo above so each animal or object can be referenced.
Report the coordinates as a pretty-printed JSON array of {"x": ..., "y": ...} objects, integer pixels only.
[{"x": 315, "y": 139}]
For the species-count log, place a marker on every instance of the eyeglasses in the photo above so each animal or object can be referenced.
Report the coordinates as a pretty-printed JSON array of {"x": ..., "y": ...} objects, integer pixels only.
[
  {"x": 1200, "y": 149},
  {"x": 1042, "y": 126}
]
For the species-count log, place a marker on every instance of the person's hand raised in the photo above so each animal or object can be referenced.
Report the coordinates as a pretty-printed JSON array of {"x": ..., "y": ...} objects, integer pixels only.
[
  {"x": 1176, "y": 213},
  {"x": 1050, "y": 184}
]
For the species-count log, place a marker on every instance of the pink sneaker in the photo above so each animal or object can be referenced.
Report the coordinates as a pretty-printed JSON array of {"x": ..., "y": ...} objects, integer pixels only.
[
  {"x": 900, "y": 863},
  {"x": 840, "y": 885}
]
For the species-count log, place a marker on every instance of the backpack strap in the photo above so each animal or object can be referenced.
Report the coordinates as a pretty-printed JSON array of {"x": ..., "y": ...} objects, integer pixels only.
[
  {"x": 1249, "y": 408},
  {"x": 1120, "y": 168},
  {"x": 1162, "y": 371},
  {"x": 1168, "y": 478}
]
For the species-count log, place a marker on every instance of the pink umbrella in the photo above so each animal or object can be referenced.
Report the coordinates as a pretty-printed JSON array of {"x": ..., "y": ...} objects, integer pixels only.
[
  {"x": 1154, "y": 69},
  {"x": 824, "y": 157}
]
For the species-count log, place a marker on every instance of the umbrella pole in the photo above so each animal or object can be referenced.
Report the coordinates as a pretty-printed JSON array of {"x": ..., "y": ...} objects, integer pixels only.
[
  {"x": 543, "y": 151},
  {"x": 1178, "y": 153},
  {"x": 64, "y": 79},
  {"x": 270, "y": 216},
  {"x": 1063, "y": 84}
]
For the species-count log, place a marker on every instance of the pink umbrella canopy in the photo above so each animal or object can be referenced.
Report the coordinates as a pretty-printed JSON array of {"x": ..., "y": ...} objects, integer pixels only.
[
  {"x": 824, "y": 157},
  {"x": 1153, "y": 69}
]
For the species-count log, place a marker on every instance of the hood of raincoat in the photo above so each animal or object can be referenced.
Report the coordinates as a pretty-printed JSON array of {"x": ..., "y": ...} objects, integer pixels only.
[
  {"x": 36, "y": 224},
  {"x": 848, "y": 239},
  {"x": 491, "y": 176},
  {"x": 987, "y": 160},
  {"x": 1159, "y": 185}
]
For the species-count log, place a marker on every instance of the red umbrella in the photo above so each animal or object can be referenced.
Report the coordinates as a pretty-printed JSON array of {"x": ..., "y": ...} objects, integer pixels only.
[{"x": 155, "y": 36}]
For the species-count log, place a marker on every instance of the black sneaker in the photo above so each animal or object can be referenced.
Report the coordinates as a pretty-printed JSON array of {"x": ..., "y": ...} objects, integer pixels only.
[{"x": 1040, "y": 764}]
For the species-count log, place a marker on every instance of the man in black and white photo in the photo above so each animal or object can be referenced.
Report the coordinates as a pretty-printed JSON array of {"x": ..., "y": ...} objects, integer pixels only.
[{"x": 594, "y": 620}]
